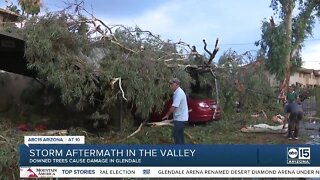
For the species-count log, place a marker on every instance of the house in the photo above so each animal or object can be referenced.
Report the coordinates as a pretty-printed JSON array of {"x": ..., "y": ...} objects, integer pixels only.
[
  {"x": 305, "y": 78},
  {"x": 12, "y": 54},
  {"x": 7, "y": 16},
  {"x": 301, "y": 77},
  {"x": 13, "y": 65}
]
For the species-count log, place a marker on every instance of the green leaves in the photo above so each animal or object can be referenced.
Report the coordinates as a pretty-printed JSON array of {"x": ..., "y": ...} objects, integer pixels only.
[
  {"x": 30, "y": 6},
  {"x": 83, "y": 67},
  {"x": 9, "y": 151},
  {"x": 281, "y": 43}
]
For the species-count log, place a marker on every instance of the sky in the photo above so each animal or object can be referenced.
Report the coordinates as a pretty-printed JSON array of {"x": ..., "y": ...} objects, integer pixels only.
[{"x": 236, "y": 23}]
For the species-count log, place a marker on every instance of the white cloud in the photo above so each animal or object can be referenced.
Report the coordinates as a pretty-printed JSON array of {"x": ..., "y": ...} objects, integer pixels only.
[
  {"x": 236, "y": 23},
  {"x": 191, "y": 21},
  {"x": 311, "y": 56},
  {"x": 172, "y": 21}
]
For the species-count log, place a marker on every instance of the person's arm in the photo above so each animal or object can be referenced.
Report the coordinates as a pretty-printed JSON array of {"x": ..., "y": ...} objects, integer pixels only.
[
  {"x": 171, "y": 110},
  {"x": 176, "y": 101}
]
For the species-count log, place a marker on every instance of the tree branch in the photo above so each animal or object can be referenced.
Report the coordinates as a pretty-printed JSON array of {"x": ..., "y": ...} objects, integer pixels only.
[
  {"x": 214, "y": 52},
  {"x": 303, "y": 19},
  {"x": 135, "y": 132},
  {"x": 114, "y": 80}
]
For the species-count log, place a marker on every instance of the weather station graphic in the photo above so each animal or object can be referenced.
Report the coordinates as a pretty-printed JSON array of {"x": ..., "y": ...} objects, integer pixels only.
[{"x": 298, "y": 155}]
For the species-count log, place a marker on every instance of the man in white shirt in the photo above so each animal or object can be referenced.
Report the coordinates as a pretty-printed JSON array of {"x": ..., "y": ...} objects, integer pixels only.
[{"x": 180, "y": 112}]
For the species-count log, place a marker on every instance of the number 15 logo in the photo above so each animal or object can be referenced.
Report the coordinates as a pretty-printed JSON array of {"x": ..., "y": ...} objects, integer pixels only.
[{"x": 304, "y": 153}]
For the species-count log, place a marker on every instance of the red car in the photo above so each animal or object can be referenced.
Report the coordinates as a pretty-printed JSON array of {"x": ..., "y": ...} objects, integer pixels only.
[{"x": 200, "y": 110}]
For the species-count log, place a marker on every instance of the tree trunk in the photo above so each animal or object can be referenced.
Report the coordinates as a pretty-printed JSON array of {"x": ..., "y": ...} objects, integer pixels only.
[{"x": 284, "y": 84}]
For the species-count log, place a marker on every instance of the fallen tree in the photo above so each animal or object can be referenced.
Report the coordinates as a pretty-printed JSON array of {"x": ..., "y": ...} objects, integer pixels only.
[{"x": 98, "y": 66}]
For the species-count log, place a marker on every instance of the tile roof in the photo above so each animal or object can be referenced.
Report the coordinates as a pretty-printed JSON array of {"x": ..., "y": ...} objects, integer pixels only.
[{"x": 9, "y": 12}]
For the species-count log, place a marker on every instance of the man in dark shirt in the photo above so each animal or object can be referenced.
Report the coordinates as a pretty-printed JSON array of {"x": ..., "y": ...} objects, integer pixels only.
[
  {"x": 294, "y": 114},
  {"x": 292, "y": 95}
]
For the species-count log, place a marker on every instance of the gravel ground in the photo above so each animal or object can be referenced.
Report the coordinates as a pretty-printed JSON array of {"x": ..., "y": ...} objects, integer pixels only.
[{"x": 310, "y": 125}]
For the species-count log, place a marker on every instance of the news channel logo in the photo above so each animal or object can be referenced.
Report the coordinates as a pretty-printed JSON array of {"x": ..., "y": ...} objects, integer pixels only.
[{"x": 298, "y": 155}]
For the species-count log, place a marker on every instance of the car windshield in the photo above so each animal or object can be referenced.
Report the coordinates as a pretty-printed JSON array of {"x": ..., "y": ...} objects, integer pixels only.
[{"x": 202, "y": 93}]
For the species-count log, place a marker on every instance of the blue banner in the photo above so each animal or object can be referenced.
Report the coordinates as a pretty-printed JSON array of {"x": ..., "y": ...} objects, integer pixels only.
[{"x": 169, "y": 155}]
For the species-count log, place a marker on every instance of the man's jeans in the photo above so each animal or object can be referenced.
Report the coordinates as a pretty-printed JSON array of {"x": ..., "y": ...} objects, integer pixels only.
[
  {"x": 178, "y": 132},
  {"x": 293, "y": 124}
]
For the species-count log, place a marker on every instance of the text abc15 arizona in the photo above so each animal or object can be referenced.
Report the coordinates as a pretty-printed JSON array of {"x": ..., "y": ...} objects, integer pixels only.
[{"x": 298, "y": 155}]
